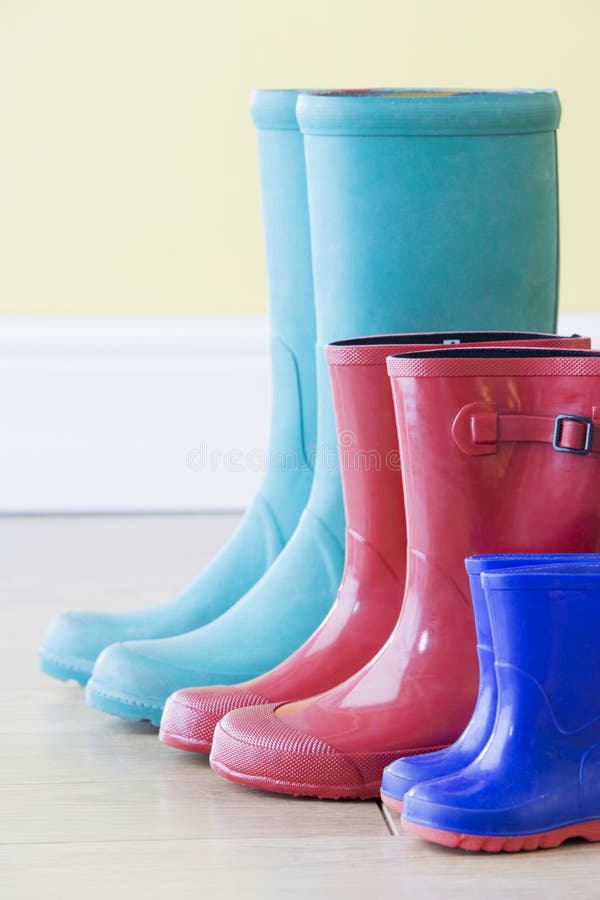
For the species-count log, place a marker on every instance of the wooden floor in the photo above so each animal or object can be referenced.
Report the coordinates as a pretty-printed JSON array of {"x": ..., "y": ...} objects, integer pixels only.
[{"x": 93, "y": 807}]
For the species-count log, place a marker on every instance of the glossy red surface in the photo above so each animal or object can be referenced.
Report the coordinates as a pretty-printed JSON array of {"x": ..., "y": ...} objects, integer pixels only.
[
  {"x": 371, "y": 592},
  {"x": 372, "y": 587},
  {"x": 418, "y": 692}
]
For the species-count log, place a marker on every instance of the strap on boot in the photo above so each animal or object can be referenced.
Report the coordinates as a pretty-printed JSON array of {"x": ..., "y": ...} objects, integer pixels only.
[{"x": 478, "y": 429}]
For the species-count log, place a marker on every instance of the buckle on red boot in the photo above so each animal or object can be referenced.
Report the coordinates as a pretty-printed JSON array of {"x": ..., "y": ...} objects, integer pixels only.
[{"x": 558, "y": 434}]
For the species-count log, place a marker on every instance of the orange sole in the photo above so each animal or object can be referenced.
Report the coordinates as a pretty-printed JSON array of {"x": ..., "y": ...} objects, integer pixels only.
[{"x": 589, "y": 831}]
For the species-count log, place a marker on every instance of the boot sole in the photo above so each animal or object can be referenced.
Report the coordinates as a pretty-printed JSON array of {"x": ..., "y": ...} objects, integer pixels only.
[
  {"x": 63, "y": 669},
  {"x": 181, "y": 743},
  {"x": 321, "y": 792},
  {"x": 392, "y": 802},
  {"x": 124, "y": 708},
  {"x": 589, "y": 831}
]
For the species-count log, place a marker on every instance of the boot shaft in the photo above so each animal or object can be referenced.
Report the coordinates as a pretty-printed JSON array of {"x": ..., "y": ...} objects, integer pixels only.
[
  {"x": 366, "y": 427},
  {"x": 546, "y": 626},
  {"x": 291, "y": 300},
  {"x": 476, "y": 441},
  {"x": 477, "y": 565},
  {"x": 417, "y": 197},
  {"x": 401, "y": 220},
  {"x": 285, "y": 219},
  {"x": 522, "y": 496},
  {"x": 368, "y": 454}
]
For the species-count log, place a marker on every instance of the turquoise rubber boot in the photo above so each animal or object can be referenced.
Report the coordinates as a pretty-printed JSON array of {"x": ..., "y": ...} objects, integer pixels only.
[
  {"x": 439, "y": 209},
  {"x": 427, "y": 213},
  {"x": 75, "y": 639}
]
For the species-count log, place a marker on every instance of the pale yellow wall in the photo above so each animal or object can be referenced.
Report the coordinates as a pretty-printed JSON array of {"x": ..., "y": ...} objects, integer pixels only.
[{"x": 127, "y": 161}]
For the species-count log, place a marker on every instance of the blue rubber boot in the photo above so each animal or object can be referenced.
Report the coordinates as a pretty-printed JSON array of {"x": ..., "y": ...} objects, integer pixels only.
[
  {"x": 404, "y": 773},
  {"x": 535, "y": 784},
  {"x": 75, "y": 639},
  {"x": 376, "y": 206}
]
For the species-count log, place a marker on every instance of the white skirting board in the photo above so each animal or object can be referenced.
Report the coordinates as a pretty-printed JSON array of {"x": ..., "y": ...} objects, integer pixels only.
[
  {"x": 103, "y": 414},
  {"x": 139, "y": 414}
]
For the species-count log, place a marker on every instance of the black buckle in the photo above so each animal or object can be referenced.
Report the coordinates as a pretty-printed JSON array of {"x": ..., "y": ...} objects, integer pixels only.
[{"x": 589, "y": 434}]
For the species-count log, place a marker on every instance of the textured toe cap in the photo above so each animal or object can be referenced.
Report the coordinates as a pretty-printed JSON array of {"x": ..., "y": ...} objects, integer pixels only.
[
  {"x": 191, "y": 715},
  {"x": 256, "y": 747}
]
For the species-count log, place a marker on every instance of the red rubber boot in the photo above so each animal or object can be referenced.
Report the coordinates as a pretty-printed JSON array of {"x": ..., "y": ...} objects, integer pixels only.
[
  {"x": 370, "y": 596},
  {"x": 499, "y": 455}
]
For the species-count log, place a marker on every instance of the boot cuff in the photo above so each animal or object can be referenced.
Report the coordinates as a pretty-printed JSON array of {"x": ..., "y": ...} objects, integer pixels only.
[
  {"x": 274, "y": 110},
  {"x": 427, "y": 112},
  {"x": 503, "y": 362},
  {"x": 375, "y": 349}
]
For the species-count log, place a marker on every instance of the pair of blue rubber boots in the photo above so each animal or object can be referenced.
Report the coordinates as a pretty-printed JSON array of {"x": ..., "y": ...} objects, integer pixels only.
[
  {"x": 524, "y": 773},
  {"x": 387, "y": 211}
]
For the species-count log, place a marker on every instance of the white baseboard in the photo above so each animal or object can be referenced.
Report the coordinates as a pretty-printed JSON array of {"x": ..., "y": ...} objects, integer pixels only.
[{"x": 102, "y": 414}]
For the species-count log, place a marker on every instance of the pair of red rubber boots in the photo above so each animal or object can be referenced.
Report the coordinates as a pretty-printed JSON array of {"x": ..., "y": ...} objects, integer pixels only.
[{"x": 497, "y": 455}]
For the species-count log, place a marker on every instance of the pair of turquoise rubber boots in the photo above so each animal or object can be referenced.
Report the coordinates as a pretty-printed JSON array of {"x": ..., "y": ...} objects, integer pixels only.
[{"x": 384, "y": 211}]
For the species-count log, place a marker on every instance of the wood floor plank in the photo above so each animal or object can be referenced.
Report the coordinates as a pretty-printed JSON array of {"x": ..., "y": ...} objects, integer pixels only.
[
  {"x": 93, "y": 806},
  {"x": 158, "y": 809},
  {"x": 69, "y": 773},
  {"x": 348, "y": 868}
]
